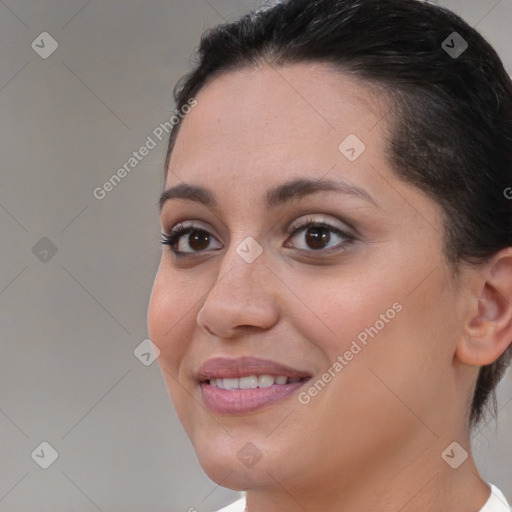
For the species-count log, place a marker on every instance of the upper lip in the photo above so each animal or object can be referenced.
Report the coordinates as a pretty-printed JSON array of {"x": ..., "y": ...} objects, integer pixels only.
[{"x": 221, "y": 367}]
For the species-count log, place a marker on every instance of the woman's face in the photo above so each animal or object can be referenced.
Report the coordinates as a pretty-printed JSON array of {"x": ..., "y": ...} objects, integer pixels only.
[{"x": 358, "y": 317}]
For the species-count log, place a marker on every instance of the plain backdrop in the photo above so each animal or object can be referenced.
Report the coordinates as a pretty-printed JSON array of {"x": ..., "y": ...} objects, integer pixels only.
[{"x": 76, "y": 272}]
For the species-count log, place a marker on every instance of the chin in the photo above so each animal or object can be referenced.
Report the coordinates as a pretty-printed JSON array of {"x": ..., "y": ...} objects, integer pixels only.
[
  {"x": 238, "y": 464},
  {"x": 237, "y": 479}
]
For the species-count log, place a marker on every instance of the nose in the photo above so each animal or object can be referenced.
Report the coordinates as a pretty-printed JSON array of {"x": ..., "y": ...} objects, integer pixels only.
[{"x": 243, "y": 297}]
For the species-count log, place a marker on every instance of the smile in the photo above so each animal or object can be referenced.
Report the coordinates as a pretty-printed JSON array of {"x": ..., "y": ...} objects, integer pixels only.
[
  {"x": 251, "y": 382},
  {"x": 246, "y": 384}
]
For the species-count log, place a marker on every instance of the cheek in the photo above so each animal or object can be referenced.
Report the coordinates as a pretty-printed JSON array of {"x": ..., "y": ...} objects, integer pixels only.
[
  {"x": 171, "y": 319},
  {"x": 373, "y": 322},
  {"x": 171, "y": 315},
  {"x": 406, "y": 366},
  {"x": 339, "y": 307}
]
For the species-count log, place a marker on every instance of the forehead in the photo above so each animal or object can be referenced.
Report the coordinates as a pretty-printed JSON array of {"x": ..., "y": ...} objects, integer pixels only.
[
  {"x": 265, "y": 116},
  {"x": 256, "y": 129}
]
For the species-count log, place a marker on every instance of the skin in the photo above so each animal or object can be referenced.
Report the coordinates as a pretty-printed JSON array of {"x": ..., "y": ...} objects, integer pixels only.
[{"x": 372, "y": 439}]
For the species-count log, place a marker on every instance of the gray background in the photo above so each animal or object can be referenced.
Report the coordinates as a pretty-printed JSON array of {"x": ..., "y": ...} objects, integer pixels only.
[{"x": 70, "y": 321}]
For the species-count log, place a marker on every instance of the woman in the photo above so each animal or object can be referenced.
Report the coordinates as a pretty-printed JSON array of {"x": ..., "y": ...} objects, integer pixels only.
[{"x": 333, "y": 305}]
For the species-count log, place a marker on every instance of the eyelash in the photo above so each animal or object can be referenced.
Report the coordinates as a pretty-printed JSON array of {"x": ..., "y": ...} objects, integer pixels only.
[{"x": 180, "y": 230}]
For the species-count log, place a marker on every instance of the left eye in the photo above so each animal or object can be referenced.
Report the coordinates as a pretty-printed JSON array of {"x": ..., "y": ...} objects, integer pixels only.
[{"x": 317, "y": 236}]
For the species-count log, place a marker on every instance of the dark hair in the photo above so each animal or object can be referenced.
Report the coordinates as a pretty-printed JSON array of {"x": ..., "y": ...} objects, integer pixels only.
[{"x": 451, "y": 129}]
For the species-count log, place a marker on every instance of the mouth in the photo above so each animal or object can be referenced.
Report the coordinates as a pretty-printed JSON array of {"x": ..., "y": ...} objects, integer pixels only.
[
  {"x": 238, "y": 386},
  {"x": 252, "y": 381}
]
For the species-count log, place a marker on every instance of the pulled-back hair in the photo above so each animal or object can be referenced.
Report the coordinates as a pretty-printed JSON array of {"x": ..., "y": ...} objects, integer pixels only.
[{"x": 451, "y": 113}]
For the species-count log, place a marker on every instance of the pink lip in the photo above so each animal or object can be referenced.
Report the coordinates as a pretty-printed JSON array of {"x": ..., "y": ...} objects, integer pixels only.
[
  {"x": 221, "y": 367},
  {"x": 240, "y": 401}
]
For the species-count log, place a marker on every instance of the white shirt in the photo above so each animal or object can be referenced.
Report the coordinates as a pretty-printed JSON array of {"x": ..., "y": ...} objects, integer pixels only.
[{"x": 496, "y": 503}]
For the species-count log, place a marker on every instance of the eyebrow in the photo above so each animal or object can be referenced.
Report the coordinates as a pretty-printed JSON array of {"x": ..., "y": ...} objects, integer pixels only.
[{"x": 277, "y": 196}]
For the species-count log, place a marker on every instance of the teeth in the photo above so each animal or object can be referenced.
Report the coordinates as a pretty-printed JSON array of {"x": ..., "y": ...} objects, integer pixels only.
[
  {"x": 248, "y": 382},
  {"x": 230, "y": 383},
  {"x": 265, "y": 381},
  {"x": 251, "y": 382}
]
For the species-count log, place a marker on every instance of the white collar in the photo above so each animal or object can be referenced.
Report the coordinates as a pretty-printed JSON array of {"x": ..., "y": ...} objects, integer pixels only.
[{"x": 496, "y": 502}]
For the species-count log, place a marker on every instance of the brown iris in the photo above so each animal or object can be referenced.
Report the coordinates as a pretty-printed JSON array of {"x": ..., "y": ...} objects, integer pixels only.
[
  {"x": 317, "y": 237},
  {"x": 198, "y": 240}
]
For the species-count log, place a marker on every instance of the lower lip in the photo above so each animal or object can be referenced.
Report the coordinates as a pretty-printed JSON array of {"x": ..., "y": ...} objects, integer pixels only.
[{"x": 239, "y": 401}]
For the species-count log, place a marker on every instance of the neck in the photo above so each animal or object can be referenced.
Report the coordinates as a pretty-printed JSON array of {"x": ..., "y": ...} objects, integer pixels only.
[{"x": 406, "y": 479}]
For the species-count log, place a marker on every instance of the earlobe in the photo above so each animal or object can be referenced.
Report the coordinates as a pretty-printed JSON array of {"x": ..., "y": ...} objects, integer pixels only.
[{"x": 488, "y": 329}]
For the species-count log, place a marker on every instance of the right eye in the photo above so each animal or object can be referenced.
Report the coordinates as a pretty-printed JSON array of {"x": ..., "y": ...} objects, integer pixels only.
[{"x": 186, "y": 238}]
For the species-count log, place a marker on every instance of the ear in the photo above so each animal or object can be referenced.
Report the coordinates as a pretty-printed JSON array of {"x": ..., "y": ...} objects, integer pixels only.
[{"x": 488, "y": 326}]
